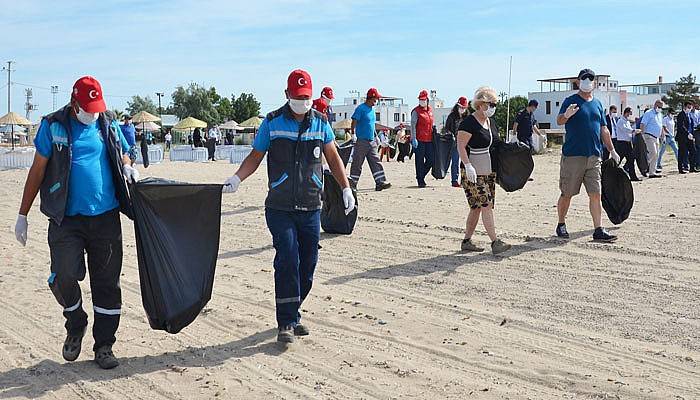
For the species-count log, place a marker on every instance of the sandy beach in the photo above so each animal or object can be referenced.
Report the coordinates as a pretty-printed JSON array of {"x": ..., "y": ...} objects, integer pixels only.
[{"x": 396, "y": 312}]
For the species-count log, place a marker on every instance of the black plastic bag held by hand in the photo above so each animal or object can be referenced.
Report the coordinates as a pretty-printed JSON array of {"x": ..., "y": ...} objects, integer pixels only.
[
  {"x": 333, "y": 218},
  {"x": 443, "y": 144},
  {"x": 177, "y": 242},
  {"x": 513, "y": 165},
  {"x": 618, "y": 194},
  {"x": 144, "y": 151}
]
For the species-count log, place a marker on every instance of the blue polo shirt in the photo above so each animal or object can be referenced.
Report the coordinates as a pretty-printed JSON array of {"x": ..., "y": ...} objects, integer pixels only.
[
  {"x": 284, "y": 127},
  {"x": 366, "y": 120},
  {"x": 129, "y": 132},
  {"x": 90, "y": 186},
  {"x": 582, "y": 137}
]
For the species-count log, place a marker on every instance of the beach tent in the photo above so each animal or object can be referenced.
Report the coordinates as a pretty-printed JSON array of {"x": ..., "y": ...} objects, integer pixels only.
[
  {"x": 229, "y": 125},
  {"x": 13, "y": 119},
  {"x": 148, "y": 126}
]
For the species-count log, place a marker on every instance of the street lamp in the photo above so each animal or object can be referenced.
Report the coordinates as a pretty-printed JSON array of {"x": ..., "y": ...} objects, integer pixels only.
[{"x": 160, "y": 113}]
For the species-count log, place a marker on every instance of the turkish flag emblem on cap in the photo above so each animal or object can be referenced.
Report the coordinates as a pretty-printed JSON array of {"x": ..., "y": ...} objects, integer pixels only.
[
  {"x": 88, "y": 93},
  {"x": 299, "y": 83}
]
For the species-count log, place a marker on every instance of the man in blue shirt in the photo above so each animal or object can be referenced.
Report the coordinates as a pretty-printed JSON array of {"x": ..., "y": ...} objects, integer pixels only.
[
  {"x": 652, "y": 130},
  {"x": 584, "y": 122},
  {"x": 363, "y": 133},
  {"x": 80, "y": 166},
  {"x": 129, "y": 132},
  {"x": 294, "y": 137}
]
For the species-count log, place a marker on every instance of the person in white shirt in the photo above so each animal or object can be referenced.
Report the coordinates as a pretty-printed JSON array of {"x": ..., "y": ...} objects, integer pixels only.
[
  {"x": 168, "y": 140},
  {"x": 623, "y": 145},
  {"x": 668, "y": 138},
  {"x": 652, "y": 130},
  {"x": 212, "y": 138}
]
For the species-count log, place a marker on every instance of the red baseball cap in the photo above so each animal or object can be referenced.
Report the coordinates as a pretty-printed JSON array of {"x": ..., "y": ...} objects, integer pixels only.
[
  {"x": 423, "y": 95},
  {"x": 88, "y": 93},
  {"x": 328, "y": 92},
  {"x": 463, "y": 102},
  {"x": 299, "y": 83},
  {"x": 373, "y": 93}
]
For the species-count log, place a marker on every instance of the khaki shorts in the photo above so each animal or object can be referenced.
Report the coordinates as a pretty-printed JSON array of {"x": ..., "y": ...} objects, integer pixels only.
[{"x": 573, "y": 171}]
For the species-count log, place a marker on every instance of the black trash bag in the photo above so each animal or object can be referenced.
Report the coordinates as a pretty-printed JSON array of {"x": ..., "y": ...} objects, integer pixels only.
[
  {"x": 513, "y": 164},
  {"x": 144, "y": 151},
  {"x": 344, "y": 150},
  {"x": 640, "y": 154},
  {"x": 333, "y": 218},
  {"x": 177, "y": 243},
  {"x": 443, "y": 144},
  {"x": 618, "y": 193}
]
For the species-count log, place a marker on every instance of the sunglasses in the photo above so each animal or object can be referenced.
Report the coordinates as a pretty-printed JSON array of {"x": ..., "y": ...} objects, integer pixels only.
[
  {"x": 587, "y": 76},
  {"x": 493, "y": 105}
]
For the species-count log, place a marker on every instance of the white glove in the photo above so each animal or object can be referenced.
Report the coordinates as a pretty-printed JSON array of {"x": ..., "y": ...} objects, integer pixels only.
[
  {"x": 348, "y": 200},
  {"x": 570, "y": 111},
  {"x": 471, "y": 173},
  {"x": 231, "y": 184},
  {"x": 131, "y": 174},
  {"x": 690, "y": 136},
  {"x": 354, "y": 138},
  {"x": 615, "y": 157},
  {"x": 21, "y": 229}
]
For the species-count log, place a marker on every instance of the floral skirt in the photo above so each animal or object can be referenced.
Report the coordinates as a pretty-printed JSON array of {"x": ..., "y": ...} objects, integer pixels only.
[{"x": 482, "y": 193}]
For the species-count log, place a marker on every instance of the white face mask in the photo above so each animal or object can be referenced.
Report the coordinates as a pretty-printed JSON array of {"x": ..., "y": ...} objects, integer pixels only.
[
  {"x": 586, "y": 85},
  {"x": 86, "y": 118},
  {"x": 300, "y": 106},
  {"x": 423, "y": 103},
  {"x": 657, "y": 109},
  {"x": 328, "y": 101},
  {"x": 491, "y": 110},
  {"x": 614, "y": 115}
]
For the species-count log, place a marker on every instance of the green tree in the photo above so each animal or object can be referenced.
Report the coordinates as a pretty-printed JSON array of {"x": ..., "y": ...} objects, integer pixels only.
[
  {"x": 195, "y": 101},
  {"x": 685, "y": 90},
  {"x": 244, "y": 107},
  {"x": 517, "y": 103},
  {"x": 138, "y": 103},
  {"x": 118, "y": 114},
  {"x": 225, "y": 109}
]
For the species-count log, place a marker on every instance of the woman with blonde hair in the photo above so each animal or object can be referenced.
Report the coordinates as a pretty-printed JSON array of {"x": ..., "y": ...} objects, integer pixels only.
[{"x": 476, "y": 136}]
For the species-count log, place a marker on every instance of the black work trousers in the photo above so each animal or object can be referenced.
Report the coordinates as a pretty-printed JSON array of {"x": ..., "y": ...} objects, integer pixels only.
[{"x": 101, "y": 238}]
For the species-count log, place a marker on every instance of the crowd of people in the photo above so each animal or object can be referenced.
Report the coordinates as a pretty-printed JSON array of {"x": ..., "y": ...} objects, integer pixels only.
[{"x": 84, "y": 190}]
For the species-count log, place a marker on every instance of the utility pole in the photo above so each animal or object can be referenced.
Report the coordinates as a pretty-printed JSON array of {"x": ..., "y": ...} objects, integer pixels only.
[
  {"x": 28, "y": 105},
  {"x": 54, "y": 91},
  {"x": 9, "y": 71},
  {"x": 160, "y": 113}
]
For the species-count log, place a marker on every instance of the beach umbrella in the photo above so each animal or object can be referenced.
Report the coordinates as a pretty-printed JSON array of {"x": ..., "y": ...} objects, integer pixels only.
[
  {"x": 232, "y": 125},
  {"x": 344, "y": 124},
  {"x": 143, "y": 117},
  {"x": 149, "y": 126},
  {"x": 13, "y": 119},
  {"x": 190, "y": 123},
  {"x": 252, "y": 122}
]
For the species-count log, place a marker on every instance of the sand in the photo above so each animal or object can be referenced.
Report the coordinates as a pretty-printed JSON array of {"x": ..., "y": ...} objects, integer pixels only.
[{"x": 396, "y": 311}]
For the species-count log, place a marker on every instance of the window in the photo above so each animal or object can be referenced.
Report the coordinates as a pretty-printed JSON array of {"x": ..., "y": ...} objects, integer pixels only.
[
  {"x": 556, "y": 104},
  {"x": 548, "y": 106},
  {"x": 346, "y": 115},
  {"x": 403, "y": 117},
  {"x": 354, "y": 101},
  {"x": 378, "y": 116},
  {"x": 545, "y": 125},
  {"x": 396, "y": 117}
]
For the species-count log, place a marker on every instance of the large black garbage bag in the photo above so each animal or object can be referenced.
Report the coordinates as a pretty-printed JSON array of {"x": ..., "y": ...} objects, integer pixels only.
[
  {"x": 333, "y": 218},
  {"x": 345, "y": 150},
  {"x": 640, "y": 153},
  {"x": 177, "y": 243},
  {"x": 513, "y": 165},
  {"x": 144, "y": 151},
  {"x": 443, "y": 145},
  {"x": 618, "y": 194}
]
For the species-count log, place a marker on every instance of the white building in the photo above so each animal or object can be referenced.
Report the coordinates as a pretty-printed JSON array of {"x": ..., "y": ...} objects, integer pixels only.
[{"x": 553, "y": 92}]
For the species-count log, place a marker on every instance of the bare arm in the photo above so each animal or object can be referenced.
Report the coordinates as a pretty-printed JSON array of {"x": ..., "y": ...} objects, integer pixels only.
[
  {"x": 34, "y": 179},
  {"x": 607, "y": 139},
  {"x": 335, "y": 164},
  {"x": 126, "y": 160},
  {"x": 250, "y": 164},
  {"x": 353, "y": 124},
  {"x": 515, "y": 127},
  {"x": 463, "y": 138},
  {"x": 561, "y": 119}
]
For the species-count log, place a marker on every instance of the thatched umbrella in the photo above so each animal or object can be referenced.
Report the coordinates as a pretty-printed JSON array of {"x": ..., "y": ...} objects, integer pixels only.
[
  {"x": 13, "y": 119},
  {"x": 142, "y": 117}
]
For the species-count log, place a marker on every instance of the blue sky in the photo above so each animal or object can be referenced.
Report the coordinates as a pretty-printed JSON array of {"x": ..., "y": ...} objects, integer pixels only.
[{"x": 400, "y": 47}]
